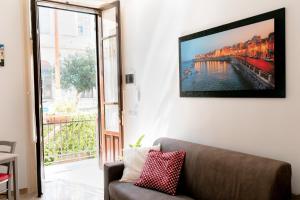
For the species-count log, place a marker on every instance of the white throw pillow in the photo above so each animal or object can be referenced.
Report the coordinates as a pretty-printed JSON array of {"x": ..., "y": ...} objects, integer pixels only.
[{"x": 134, "y": 160}]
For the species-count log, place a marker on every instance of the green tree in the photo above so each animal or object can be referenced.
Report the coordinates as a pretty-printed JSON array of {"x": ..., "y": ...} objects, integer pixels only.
[{"x": 79, "y": 72}]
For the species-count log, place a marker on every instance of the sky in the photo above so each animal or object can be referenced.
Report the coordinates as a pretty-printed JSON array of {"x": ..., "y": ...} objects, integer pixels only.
[{"x": 226, "y": 38}]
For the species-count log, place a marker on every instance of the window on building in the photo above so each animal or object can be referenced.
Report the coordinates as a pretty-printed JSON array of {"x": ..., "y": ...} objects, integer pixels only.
[{"x": 80, "y": 30}]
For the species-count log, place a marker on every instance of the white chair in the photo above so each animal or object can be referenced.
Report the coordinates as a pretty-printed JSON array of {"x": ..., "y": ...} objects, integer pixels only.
[{"x": 5, "y": 177}]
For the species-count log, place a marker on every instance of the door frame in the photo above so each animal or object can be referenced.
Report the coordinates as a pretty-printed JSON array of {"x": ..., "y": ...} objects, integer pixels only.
[{"x": 37, "y": 92}]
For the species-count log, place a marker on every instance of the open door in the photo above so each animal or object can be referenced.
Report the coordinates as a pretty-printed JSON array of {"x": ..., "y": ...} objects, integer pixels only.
[
  {"x": 60, "y": 32},
  {"x": 110, "y": 83}
]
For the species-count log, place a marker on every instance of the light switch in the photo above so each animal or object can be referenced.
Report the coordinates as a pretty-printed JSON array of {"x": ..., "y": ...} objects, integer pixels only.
[{"x": 129, "y": 78}]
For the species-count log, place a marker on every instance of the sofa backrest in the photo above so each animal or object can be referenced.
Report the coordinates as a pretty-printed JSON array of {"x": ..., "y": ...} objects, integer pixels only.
[{"x": 216, "y": 174}]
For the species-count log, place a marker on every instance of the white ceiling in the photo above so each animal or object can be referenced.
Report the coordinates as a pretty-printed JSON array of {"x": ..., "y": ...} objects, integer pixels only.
[{"x": 88, "y": 3}]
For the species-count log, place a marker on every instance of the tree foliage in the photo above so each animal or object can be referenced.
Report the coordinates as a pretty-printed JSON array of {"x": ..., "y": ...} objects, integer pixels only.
[{"x": 79, "y": 71}]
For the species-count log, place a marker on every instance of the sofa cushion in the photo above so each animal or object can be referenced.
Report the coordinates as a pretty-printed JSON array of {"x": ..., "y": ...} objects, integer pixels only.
[
  {"x": 161, "y": 171},
  {"x": 128, "y": 191},
  {"x": 134, "y": 161}
]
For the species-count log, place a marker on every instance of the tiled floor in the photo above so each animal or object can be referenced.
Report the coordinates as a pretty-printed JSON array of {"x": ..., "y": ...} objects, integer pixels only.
[{"x": 81, "y": 180}]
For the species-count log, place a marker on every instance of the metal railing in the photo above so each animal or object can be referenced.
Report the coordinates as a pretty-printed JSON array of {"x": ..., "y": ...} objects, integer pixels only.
[{"x": 68, "y": 139}]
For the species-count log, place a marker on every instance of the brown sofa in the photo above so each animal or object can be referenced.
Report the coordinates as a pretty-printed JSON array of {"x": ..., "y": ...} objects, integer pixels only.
[{"x": 210, "y": 174}]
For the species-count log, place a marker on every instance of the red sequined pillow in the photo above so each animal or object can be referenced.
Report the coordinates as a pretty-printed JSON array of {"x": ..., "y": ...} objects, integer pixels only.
[{"x": 161, "y": 171}]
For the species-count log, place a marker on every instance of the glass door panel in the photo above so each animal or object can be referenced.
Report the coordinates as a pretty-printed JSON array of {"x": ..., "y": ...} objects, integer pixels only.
[
  {"x": 112, "y": 118},
  {"x": 109, "y": 22},
  {"x": 111, "y": 82}
]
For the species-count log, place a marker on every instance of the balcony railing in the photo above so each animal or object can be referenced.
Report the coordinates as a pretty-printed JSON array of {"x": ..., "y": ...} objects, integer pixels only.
[{"x": 69, "y": 138}]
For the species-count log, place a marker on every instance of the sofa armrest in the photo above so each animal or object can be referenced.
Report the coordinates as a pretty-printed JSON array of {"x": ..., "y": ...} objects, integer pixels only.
[{"x": 112, "y": 171}]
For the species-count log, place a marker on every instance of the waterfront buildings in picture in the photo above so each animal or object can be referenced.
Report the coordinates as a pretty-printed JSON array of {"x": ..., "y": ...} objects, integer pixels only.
[
  {"x": 1, "y": 55},
  {"x": 230, "y": 61}
]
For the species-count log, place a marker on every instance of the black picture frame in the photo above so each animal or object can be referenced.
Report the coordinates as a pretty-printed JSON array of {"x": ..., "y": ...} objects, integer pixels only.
[{"x": 279, "y": 89}]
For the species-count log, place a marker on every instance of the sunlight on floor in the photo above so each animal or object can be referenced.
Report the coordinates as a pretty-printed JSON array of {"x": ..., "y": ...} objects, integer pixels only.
[{"x": 73, "y": 181}]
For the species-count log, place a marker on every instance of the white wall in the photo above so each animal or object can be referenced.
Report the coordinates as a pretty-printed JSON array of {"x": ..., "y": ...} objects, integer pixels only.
[
  {"x": 14, "y": 118},
  {"x": 265, "y": 127}
]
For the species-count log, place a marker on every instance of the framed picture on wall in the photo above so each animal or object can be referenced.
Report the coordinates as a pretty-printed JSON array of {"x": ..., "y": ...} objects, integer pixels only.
[
  {"x": 1, "y": 55},
  {"x": 245, "y": 58}
]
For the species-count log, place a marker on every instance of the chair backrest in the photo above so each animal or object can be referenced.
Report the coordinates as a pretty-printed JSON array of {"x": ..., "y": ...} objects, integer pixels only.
[{"x": 11, "y": 146}]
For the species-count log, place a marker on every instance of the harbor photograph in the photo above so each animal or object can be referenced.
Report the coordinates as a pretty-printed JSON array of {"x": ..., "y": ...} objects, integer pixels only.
[{"x": 237, "y": 59}]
